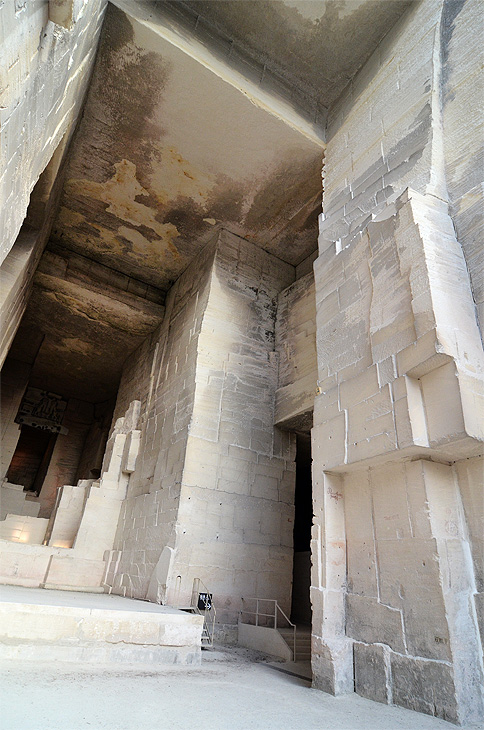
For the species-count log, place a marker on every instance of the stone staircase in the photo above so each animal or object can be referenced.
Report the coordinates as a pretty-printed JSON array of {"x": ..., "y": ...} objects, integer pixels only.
[{"x": 303, "y": 642}]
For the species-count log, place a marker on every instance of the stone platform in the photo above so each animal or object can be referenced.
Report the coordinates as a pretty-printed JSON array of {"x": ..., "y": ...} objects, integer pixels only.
[{"x": 48, "y": 625}]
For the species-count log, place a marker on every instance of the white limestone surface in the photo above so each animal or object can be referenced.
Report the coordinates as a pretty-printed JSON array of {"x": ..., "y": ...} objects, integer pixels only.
[
  {"x": 83, "y": 627},
  {"x": 295, "y": 337},
  {"x": 264, "y": 639},
  {"x": 39, "y": 55},
  {"x": 13, "y": 501},
  {"x": 23, "y": 529}
]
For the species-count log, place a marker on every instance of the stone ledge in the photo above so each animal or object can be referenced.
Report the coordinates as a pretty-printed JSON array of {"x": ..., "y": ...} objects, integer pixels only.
[{"x": 52, "y": 626}]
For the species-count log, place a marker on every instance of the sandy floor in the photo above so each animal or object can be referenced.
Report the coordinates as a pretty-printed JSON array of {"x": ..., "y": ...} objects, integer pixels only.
[{"x": 233, "y": 690}]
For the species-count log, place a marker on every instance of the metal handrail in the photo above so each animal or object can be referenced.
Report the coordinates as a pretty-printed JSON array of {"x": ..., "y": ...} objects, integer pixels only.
[
  {"x": 209, "y": 613},
  {"x": 257, "y": 613}
]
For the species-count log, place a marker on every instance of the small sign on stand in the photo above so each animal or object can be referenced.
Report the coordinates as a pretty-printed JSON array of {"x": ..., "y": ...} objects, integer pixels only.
[{"x": 204, "y": 601}]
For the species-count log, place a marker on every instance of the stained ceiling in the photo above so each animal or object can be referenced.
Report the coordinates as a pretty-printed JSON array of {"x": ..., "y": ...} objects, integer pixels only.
[
  {"x": 167, "y": 150},
  {"x": 199, "y": 115},
  {"x": 304, "y": 50},
  {"x": 169, "y": 147}
]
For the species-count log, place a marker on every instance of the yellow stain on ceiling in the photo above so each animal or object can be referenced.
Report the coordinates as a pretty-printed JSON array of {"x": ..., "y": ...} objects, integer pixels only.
[
  {"x": 76, "y": 346},
  {"x": 104, "y": 241},
  {"x": 135, "y": 249},
  {"x": 141, "y": 246},
  {"x": 120, "y": 193},
  {"x": 173, "y": 177},
  {"x": 67, "y": 218}
]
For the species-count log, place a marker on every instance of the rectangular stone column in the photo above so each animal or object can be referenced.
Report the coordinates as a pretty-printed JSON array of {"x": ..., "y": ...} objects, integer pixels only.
[
  {"x": 331, "y": 651},
  {"x": 235, "y": 519},
  {"x": 449, "y": 529},
  {"x": 161, "y": 374},
  {"x": 212, "y": 494}
]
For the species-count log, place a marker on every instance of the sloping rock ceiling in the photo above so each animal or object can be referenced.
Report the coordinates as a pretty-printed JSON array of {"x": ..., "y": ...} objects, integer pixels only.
[{"x": 167, "y": 150}]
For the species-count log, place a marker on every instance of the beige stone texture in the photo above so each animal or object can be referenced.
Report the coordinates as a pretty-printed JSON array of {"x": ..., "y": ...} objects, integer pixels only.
[
  {"x": 68, "y": 572},
  {"x": 380, "y": 417},
  {"x": 68, "y": 627},
  {"x": 66, "y": 454},
  {"x": 463, "y": 137},
  {"x": 13, "y": 501},
  {"x": 470, "y": 477},
  {"x": 33, "y": 123},
  {"x": 296, "y": 349},
  {"x": 246, "y": 518},
  {"x": 264, "y": 639},
  {"x": 25, "y": 565},
  {"x": 400, "y": 367},
  {"x": 332, "y": 656},
  {"x": 214, "y": 482},
  {"x": 67, "y": 515},
  {"x": 16, "y": 273},
  {"x": 411, "y": 581},
  {"x": 23, "y": 529},
  {"x": 188, "y": 189},
  {"x": 15, "y": 377}
]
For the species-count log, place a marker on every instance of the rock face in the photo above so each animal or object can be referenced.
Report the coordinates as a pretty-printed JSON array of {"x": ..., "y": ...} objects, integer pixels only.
[{"x": 168, "y": 286}]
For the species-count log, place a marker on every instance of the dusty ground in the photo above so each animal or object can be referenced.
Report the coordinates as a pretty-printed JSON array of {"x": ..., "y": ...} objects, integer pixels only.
[{"x": 234, "y": 689}]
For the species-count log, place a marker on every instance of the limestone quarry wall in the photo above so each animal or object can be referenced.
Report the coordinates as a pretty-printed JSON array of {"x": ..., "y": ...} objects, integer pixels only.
[
  {"x": 379, "y": 134},
  {"x": 296, "y": 351},
  {"x": 398, "y": 428},
  {"x": 382, "y": 343},
  {"x": 15, "y": 377},
  {"x": 462, "y": 50},
  {"x": 69, "y": 447},
  {"x": 67, "y": 453},
  {"x": 375, "y": 417},
  {"x": 469, "y": 474},
  {"x": 45, "y": 73},
  {"x": 407, "y": 555},
  {"x": 236, "y": 514}
]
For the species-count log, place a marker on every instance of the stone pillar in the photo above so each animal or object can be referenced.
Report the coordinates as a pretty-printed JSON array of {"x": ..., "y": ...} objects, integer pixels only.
[
  {"x": 161, "y": 374},
  {"x": 236, "y": 513},
  {"x": 212, "y": 496},
  {"x": 331, "y": 651},
  {"x": 15, "y": 377},
  {"x": 458, "y": 581}
]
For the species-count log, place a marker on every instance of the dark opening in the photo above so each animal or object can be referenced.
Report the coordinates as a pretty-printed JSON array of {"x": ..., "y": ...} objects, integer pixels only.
[
  {"x": 303, "y": 519},
  {"x": 31, "y": 458}
]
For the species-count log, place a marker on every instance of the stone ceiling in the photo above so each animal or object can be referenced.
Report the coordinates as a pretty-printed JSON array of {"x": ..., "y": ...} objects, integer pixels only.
[
  {"x": 200, "y": 115},
  {"x": 167, "y": 150},
  {"x": 180, "y": 135},
  {"x": 307, "y": 50}
]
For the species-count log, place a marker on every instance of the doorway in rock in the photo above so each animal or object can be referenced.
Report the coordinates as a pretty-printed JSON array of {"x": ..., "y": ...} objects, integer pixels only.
[
  {"x": 31, "y": 458},
  {"x": 303, "y": 518}
]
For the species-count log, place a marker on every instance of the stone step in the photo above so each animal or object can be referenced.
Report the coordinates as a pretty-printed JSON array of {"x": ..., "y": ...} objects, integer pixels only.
[
  {"x": 299, "y": 632},
  {"x": 50, "y": 625},
  {"x": 303, "y": 641}
]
